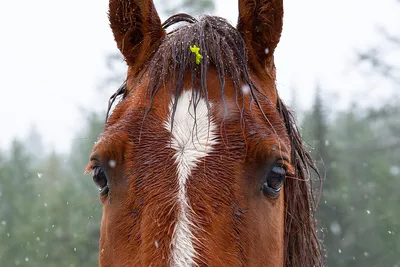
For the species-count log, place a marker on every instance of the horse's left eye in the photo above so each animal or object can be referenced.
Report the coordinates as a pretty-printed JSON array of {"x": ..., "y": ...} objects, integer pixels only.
[
  {"x": 274, "y": 182},
  {"x": 100, "y": 179}
]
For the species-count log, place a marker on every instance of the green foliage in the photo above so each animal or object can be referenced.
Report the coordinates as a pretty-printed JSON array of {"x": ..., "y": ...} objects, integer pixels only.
[
  {"x": 16, "y": 188},
  {"x": 49, "y": 211},
  {"x": 359, "y": 206}
]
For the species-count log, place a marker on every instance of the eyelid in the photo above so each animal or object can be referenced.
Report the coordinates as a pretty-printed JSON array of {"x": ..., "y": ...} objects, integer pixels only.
[
  {"x": 90, "y": 167},
  {"x": 289, "y": 168}
]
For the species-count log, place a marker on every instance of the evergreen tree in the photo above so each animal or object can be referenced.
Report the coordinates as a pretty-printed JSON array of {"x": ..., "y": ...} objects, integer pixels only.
[
  {"x": 16, "y": 208},
  {"x": 357, "y": 208}
]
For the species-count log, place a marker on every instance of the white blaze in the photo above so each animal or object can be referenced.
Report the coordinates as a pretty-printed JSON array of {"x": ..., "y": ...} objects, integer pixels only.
[{"x": 193, "y": 136}]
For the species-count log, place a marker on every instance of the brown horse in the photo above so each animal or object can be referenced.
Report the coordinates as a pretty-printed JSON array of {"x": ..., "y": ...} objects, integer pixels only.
[{"x": 200, "y": 162}]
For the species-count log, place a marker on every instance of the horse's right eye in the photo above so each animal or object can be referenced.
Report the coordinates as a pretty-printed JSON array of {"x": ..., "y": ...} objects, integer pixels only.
[
  {"x": 273, "y": 185},
  {"x": 100, "y": 179}
]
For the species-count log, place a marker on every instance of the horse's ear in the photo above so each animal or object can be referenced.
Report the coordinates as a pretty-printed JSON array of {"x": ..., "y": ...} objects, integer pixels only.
[
  {"x": 260, "y": 23},
  {"x": 137, "y": 29}
]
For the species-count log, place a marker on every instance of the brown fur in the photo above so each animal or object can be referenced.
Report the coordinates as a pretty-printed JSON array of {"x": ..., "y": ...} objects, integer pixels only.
[
  {"x": 236, "y": 225},
  {"x": 137, "y": 29},
  {"x": 260, "y": 22}
]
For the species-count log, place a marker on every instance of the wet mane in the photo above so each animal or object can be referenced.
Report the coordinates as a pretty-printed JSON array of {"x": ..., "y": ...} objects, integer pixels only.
[
  {"x": 224, "y": 49},
  {"x": 301, "y": 241},
  {"x": 221, "y": 46}
]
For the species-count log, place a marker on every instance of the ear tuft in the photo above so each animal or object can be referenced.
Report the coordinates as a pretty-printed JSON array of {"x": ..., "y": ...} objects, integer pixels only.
[
  {"x": 137, "y": 29},
  {"x": 260, "y": 23}
]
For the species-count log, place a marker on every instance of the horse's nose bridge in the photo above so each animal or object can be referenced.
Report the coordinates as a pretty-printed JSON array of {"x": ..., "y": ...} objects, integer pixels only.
[{"x": 193, "y": 137}]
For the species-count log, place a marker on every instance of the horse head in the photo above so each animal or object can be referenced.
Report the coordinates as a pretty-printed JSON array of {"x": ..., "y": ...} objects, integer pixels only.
[{"x": 200, "y": 162}]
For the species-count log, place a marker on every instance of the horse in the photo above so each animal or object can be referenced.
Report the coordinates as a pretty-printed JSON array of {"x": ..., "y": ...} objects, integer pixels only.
[{"x": 200, "y": 162}]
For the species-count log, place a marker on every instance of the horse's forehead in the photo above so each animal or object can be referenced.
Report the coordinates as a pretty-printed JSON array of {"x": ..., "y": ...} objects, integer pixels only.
[
  {"x": 230, "y": 91},
  {"x": 195, "y": 118},
  {"x": 140, "y": 108}
]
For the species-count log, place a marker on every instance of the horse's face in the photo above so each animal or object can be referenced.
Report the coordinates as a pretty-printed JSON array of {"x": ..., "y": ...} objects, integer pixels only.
[{"x": 193, "y": 160}]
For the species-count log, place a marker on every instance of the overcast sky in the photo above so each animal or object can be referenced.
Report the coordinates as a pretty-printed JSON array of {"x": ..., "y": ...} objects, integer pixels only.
[{"x": 52, "y": 56}]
